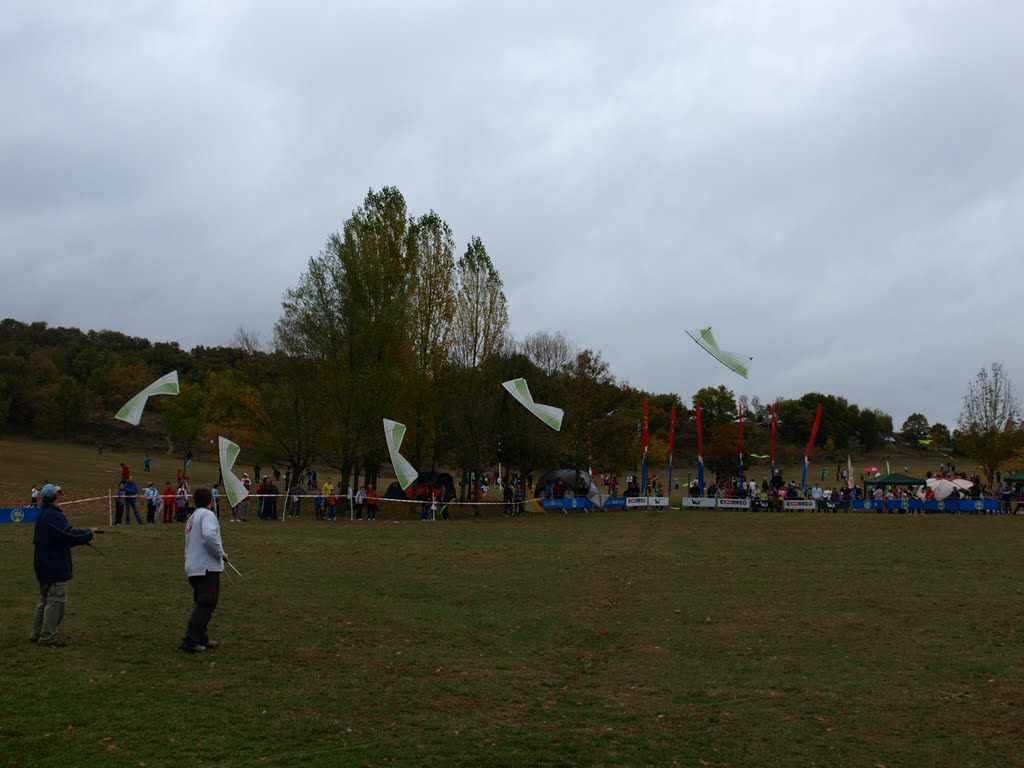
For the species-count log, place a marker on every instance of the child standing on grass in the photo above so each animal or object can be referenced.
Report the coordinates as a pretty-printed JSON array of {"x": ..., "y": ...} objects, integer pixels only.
[
  {"x": 168, "y": 503},
  {"x": 181, "y": 504},
  {"x": 119, "y": 503},
  {"x": 371, "y": 503}
]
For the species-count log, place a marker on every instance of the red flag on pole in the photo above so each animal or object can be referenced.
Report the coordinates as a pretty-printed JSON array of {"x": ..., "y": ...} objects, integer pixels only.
[
  {"x": 814, "y": 432},
  {"x": 672, "y": 432},
  {"x": 700, "y": 452},
  {"x": 646, "y": 436},
  {"x": 741, "y": 442},
  {"x": 741, "y": 433},
  {"x": 810, "y": 444},
  {"x": 700, "y": 436},
  {"x": 671, "y": 444}
]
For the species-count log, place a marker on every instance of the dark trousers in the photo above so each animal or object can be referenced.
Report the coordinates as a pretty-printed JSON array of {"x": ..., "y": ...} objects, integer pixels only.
[
  {"x": 205, "y": 591},
  {"x": 131, "y": 504},
  {"x": 150, "y": 511}
]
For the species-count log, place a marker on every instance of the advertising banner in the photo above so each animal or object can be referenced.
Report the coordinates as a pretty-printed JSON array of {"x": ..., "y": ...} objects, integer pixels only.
[
  {"x": 799, "y": 505},
  {"x": 689, "y": 502},
  {"x": 985, "y": 506},
  {"x": 568, "y": 503},
  {"x": 733, "y": 504},
  {"x": 19, "y": 515}
]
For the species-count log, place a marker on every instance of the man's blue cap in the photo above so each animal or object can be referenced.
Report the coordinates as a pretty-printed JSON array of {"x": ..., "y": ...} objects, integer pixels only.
[{"x": 49, "y": 492}]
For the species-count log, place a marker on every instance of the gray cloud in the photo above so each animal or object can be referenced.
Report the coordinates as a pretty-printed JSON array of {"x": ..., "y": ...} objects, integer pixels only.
[{"x": 834, "y": 188}]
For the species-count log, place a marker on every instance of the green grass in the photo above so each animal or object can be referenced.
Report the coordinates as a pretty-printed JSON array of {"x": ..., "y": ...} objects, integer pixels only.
[
  {"x": 673, "y": 638},
  {"x": 608, "y": 639}
]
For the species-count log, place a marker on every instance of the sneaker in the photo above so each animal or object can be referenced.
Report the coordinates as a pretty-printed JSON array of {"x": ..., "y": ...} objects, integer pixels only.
[
  {"x": 55, "y": 643},
  {"x": 212, "y": 643},
  {"x": 192, "y": 648}
]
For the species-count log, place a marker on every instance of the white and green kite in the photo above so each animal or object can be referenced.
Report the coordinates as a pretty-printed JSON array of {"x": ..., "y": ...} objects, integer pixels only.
[
  {"x": 547, "y": 413},
  {"x": 404, "y": 471},
  {"x": 132, "y": 410},
  {"x": 738, "y": 363},
  {"x": 232, "y": 485}
]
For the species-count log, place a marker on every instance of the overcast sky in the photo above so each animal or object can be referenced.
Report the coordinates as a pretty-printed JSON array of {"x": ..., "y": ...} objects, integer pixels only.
[{"x": 837, "y": 188}]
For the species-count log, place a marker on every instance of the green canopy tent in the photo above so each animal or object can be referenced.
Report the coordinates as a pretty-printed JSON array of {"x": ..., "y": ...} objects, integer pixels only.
[
  {"x": 1016, "y": 477},
  {"x": 892, "y": 479}
]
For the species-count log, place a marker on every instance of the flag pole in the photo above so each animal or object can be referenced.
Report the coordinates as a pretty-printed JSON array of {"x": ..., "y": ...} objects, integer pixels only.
[
  {"x": 671, "y": 446},
  {"x": 742, "y": 479},
  {"x": 644, "y": 439},
  {"x": 700, "y": 453}
]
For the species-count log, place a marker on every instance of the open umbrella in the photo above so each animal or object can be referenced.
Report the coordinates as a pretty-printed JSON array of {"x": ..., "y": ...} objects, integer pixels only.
[
  {"x": 941, "y": 487},
  {"x": 872, "y": 468}
]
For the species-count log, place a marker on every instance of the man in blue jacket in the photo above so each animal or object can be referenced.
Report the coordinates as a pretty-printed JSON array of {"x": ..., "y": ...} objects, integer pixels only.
[
  {"x": 131, "y": 500},
  {"x": 54, "y": 537}
]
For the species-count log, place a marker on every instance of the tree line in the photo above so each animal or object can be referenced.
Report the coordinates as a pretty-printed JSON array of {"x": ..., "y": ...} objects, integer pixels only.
[{"x": 391, "y": 320}]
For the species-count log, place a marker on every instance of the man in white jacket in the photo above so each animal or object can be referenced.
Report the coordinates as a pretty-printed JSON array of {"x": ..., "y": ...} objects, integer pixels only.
[{"x": 204, "y": 563}]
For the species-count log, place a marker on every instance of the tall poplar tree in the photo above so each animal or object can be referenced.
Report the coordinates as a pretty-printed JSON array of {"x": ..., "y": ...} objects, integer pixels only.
[
  {"x": 479, "y": 337},
  {"x": 431, "y": 314},
  {"x": 349, "y": 318},
  {"x": 481, "y": 318}
]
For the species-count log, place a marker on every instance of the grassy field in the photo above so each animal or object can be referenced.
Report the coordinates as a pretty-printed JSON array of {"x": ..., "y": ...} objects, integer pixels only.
[{"x": 620, "y": 638}]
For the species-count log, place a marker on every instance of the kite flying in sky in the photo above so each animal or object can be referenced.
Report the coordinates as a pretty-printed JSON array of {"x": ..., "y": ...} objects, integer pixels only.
[
  {"x": 132, "y": 410},
  {"x": 738, "y": 363},
  {"x": 234, "y": 488},
  {"x": 547, "y": 413},
  {"x": 404, "y": 471}
]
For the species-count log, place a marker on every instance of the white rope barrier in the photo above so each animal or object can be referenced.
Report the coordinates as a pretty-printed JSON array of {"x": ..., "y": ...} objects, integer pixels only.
[
  {"x": 62, "y": 503},
  {"x": 341, "y": 502}
]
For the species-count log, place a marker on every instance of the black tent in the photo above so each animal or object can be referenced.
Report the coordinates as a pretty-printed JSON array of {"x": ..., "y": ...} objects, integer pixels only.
[
  {"x": 577, "y": 483},
  {"x": 395, "y": 491},
  {"x": 429, "y": 480},
  {"x": 431, "y": 486}
]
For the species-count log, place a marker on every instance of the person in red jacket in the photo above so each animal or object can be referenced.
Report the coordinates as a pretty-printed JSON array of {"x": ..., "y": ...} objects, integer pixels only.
[
  {"x": 371, "y": 502},
  {"x": 168, "y": 495}
]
